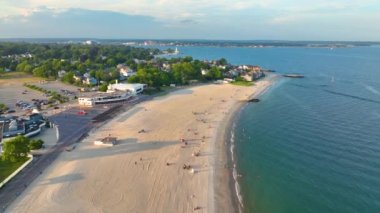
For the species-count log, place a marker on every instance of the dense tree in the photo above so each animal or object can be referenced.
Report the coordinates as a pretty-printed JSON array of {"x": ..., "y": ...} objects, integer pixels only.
[
  {"x": 68, "y": 78},
  {"x": 213, "y": 74},
  {"x": 151, "y": 76},
  {"x": 40, "y": 71},
  {"x": 21, "y": 66},
  {"x": 222, "y": 61},
  {"x": 69, "y": 57},
  {"x": 103, "y": 88},
  {"x": 46, "y": 60},
  {"x": 185, "y": 71},
  {"x": 16, "y": 149}
]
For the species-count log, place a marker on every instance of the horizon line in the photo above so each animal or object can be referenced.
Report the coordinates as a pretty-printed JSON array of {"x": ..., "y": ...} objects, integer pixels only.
[{"x": 186, "y": 39}]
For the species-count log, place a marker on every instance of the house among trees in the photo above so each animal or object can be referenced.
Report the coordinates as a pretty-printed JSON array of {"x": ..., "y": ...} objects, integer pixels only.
[
  {"x": 253, "y": 74},
  {"x": 125, "y": 71},
  {"x": 88, "y": 79},
  {"x": 85, "y": 79},
  {"x": 77, "y": 76},
  {"x": 61, "y": 73}
]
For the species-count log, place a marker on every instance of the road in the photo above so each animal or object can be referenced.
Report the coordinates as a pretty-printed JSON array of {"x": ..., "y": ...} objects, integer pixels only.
[{"x": 72, "y": 128}]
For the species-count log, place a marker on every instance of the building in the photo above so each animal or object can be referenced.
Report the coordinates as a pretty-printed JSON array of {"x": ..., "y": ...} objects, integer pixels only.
[
  {"x": 104, "y": 98},
  {"x": 61, "y": 73},
  {"x": 107, "y": 141},
  {"x": 133, "y": 89},
  {"x": 89, "y": 80},
  {"x": 77, "y": 76},
  {"x": 204, "y": 71},
  {"x": 125, "y": 71},
  {"x": 13, "y": 126},
  {"x": 85, "y": 79},
  {"x": 253, "y": 75},
  {"x": 86, "y": 101}
]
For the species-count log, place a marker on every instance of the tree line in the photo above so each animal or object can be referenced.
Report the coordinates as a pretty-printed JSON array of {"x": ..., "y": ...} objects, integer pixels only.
[
  {"x": 100, "y": 61},
  {"x": 181, "y": 72},
  {"x": 48, "y": 59}
]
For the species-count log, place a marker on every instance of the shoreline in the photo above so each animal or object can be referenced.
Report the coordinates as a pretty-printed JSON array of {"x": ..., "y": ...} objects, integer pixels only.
[
  {"x": 139, "y": 163},
  {"x": 228, "y": 197}
]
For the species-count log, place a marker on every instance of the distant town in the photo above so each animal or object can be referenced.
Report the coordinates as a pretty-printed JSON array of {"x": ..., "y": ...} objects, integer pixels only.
[{"x": 200, "y": 42}]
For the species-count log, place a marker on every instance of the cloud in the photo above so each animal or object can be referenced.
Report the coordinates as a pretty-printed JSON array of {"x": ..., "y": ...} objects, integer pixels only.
[
  {"x": 283, "y": 19},
  {"x": 211, "y": 19},
  {"x": 46, "y": 22},
  {"x": 160, "y": 9}
]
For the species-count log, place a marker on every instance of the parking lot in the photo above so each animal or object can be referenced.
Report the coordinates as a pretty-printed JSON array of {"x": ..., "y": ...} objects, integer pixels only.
[
  {"x": 12, "y": 91},
  {"x": 22, "y": 99}
]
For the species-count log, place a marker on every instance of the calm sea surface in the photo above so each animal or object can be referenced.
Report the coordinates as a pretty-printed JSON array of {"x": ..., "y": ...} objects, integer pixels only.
[{"x": 313, "y": 144}]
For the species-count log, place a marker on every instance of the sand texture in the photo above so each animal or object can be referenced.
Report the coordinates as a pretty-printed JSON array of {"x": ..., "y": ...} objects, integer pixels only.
[{"x": 133, "y": 176}]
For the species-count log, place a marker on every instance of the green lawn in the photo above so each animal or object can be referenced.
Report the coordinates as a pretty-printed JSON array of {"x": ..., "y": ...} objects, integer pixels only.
[
  {"x": 243, "y": 83},
  {"x": 7, "y": 167}
]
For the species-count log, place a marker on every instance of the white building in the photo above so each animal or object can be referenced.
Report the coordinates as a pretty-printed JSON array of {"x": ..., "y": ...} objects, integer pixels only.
[
  {"x": 125, "y": 71},
  {"x": 204, "y": 71},
  {"x": 61, "y": 73},
  {"x": 85, "y": 101},
  {"x": 104, "y": 98},
  {"x": 133, "y": 89}
]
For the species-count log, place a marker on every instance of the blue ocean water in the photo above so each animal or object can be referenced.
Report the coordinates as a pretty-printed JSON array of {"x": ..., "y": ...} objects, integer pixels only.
[{"x": 312, "y": 144}]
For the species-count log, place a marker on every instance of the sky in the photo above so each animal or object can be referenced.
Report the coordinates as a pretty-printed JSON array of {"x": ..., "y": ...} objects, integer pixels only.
[{"x": 334, "y": 20}]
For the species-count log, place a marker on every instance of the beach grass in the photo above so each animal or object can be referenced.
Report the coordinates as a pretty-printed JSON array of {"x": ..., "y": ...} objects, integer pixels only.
[
  {"x": 7, "y": 168},
  {"x": 10, "y": 75},
  {"x": 243, "y": 83},
  {"x": 15, "y": 77}
]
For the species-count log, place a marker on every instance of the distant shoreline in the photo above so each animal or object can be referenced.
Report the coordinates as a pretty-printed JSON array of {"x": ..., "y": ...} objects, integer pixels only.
[{"x": 200, "y": 42}]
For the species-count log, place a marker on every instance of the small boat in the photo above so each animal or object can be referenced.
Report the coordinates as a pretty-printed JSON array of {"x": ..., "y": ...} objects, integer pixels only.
[{"x": 293, "y": 75}]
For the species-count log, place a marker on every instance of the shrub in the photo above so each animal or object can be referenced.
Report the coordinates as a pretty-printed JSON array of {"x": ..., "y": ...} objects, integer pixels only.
[{"x": 36, "y": 144}]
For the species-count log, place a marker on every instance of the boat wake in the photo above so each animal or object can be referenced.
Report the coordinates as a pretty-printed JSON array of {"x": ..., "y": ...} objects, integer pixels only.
[
  {"x": 352, "y": 96},
  {"x": 371, "y": 89}
]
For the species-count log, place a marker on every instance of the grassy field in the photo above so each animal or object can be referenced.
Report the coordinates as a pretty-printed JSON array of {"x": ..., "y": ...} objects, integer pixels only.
[
  {"x": 243, "y": 83},
  {"x": 18, "y": 75},
  {"x": 6, "y": 168}
]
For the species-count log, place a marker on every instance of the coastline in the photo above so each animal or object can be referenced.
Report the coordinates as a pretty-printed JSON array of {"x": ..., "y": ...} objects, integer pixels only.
[
  {"x": 149, "y": 184},
  {"x": 226, "y": 186}
]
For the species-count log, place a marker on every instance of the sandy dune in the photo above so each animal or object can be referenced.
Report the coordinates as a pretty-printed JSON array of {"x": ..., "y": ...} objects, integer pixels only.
[{"x": 133, "y": 176}]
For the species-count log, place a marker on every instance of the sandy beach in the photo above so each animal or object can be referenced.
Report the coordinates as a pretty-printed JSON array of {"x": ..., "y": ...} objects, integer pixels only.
[{"x": 144, "y": 171}]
